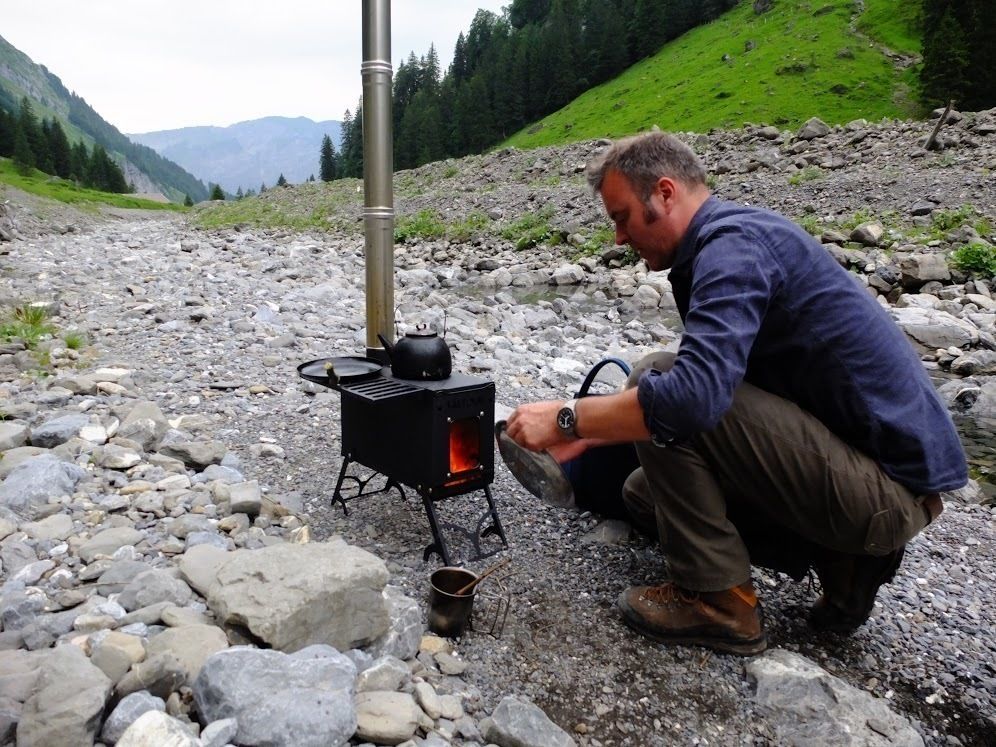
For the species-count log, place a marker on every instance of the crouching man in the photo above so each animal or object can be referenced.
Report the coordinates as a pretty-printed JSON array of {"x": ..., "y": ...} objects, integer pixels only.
[{"x": 793, "y": 402}]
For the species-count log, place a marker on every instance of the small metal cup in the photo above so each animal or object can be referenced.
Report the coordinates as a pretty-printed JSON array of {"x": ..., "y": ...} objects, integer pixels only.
[{"x": 449, "y": 614}]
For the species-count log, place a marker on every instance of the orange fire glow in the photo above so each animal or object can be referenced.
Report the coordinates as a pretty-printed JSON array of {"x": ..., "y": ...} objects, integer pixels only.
[{"x": 465, "y": 447}]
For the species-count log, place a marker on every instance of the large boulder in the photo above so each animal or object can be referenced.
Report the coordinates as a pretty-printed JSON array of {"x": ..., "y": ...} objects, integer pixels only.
[
  {"x": 386, "y": 717},
  {"x": 156, "y": 729},
  {"x": 67, "y": 704},
  {"x": 195, "y": 454},
  {"x": 58, "y": 430},
  {"x": 192, "y": 645},
  {"x": 292, "y": 596},
  {"x": 303, "y": 699},
  {"x": 29, "y": 485},
  {"x": 918, "y": 269},
  {"x": 13, "y": 435},
  {"x": 406, "y": 628},
  {"x": 807, "y": 705},
  {"x": 934, "y": 328},
  {"x": 145, "y": 424},
  {"x": 517, "y": 722}
]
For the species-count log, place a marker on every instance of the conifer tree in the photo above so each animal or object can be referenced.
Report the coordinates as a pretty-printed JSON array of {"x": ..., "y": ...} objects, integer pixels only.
[
  {"x": 281, "y": 181},
  {"x": 23, "y": 156},
  {"x": 945, "y": 62},
  {"x": 238, "y": 194},
  {"x": 327, "y": 166},
  {"x": 79, "y": 161},
  {"x": 216, "y": 193},
  {"x": 58, "y": 146},
  {"x": 6, "y": 134},
  {"x": 187, "y": 201}
]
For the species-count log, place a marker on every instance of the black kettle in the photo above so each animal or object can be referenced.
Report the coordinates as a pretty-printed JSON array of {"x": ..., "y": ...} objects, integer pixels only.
[{"x": 421, "y": 355}]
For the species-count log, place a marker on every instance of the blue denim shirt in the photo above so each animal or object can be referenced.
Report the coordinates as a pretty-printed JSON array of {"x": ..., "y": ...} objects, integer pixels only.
[{"x": 764, "y": 302}]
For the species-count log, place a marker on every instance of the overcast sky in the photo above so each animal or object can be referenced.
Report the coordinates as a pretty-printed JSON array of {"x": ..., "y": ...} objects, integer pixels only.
[{"x": 149, "y": 65}]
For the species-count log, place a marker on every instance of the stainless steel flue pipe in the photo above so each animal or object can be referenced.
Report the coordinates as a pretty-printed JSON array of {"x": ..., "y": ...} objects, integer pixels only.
[{"x": 378, "y": 174}]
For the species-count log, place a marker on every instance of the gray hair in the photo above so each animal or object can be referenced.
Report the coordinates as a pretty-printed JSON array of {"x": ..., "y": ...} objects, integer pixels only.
[{"x": 644, "y": 159}]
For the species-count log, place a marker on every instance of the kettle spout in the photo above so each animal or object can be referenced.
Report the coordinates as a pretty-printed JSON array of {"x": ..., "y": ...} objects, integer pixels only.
[{"x": 387, "y": 345}]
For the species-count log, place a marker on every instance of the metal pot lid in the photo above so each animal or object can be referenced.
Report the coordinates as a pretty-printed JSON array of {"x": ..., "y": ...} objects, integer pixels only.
[
  {"x": 340, "y": 368},
  {"x": 422, "y": 330}
]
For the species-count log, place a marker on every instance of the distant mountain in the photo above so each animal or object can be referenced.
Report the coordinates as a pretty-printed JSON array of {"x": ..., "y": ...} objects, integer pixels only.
[
  {"x": 247, "y": 154},
  {"x": 143, "y": 167}
]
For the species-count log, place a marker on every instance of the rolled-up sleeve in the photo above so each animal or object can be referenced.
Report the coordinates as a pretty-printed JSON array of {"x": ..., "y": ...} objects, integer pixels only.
[{"x": 735, "y": 278}]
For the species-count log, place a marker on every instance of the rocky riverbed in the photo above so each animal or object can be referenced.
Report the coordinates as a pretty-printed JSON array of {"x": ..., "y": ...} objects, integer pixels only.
[{"x": 172, "y": 568}]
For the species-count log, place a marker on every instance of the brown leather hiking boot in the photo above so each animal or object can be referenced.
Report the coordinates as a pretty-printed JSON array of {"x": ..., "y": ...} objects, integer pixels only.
[
  {"x": 850, "y": 584},
  {"x": 727, "y": 621}
]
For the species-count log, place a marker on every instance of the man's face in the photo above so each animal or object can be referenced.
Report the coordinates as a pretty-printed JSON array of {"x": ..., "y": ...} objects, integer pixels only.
[{"x": 645, "y": 226}]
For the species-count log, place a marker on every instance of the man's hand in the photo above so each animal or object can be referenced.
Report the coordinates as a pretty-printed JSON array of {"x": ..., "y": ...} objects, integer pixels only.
[{"x": 534, "y": 426}]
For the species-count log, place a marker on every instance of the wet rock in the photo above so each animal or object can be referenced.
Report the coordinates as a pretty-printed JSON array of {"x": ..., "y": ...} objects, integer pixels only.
[
  {"x": 807, "y": 704},
  {"x": 277, "y": 698},
  {"x": 292, "y": 596},
  {"x": 67, "y": 704},
  {"x": 517, "y": 722},
  {"x": 981, "y": 362}
]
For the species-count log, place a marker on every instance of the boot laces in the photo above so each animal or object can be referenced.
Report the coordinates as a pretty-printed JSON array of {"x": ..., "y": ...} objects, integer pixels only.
[{"x": 668, "y": 594}]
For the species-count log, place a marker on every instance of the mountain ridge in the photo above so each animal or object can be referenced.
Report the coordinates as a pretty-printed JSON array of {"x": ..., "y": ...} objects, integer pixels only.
[{"x": 246, "y": 154}]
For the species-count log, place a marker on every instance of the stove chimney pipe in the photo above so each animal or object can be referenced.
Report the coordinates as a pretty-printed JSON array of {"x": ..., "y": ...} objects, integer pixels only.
[{"x": 378, "y": 173}]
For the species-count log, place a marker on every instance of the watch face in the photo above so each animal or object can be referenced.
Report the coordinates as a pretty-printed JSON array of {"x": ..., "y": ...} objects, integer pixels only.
[{"x": 565, "y": 419}]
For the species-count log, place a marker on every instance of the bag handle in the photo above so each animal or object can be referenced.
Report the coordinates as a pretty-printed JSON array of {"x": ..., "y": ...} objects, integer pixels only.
[{"x": 590, "y": 378}]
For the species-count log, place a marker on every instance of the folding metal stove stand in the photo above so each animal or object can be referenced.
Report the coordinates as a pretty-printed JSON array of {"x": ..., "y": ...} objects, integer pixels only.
[{"x": 438, "y": 544}]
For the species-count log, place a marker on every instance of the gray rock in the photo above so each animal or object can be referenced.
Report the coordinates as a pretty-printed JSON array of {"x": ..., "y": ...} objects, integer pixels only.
[
  {"x": 184, "y": 525},
  {"x": 119, "y": 574},
  {"x": 58, "y": 430},
  {"x": 386, "y": 673},
  {"x": 199, "y": 566},
  {"x": 568, "y": 275},
  {"x": 67, "y": 704},
  {"x": 277, "y": 698},
  {"x": 406, "y": 627},
  {"x": 806, "y": 704},
  {"x": 978, "y": 362},
  {"x": 57, "y": 527},
  {"x": 517, "y": 722},
  {"x": 13, "y": 435},
  {"x": 114, "y": 653},
  {"x": 868, "y": 234},
  {"x": 152, "y": 587},
  {"x": 191, "y": 645},
  {"x": 108, "y": 541},
  {"x": 219, "y": 733},
  {"x": 30, "y": 484},
  {"x": 127, "y": 711},
  {"x": 246, "y": 498},
  {"x": 608, "y": 532},
  {"x": 113, "y": 456},
  {"x": 160, "y": 675},
  {"x": 934, "y": 328},
  {"x": 291, "y": 596},
  {"x": 145, "y": 424},
  {"x": 15, "y": 457},
  {"x": 195, "y": 454},
  {"x": 386, "y": 717},
  {"x": 813, "y": 129},
  {"x": 156, "y": 729},
  {"x": 918, "y": 269}
]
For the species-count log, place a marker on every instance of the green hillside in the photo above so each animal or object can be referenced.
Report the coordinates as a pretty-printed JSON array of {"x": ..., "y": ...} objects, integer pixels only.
[
  {"x": 20, "y": 77},
  {"x": 781, "y": 67}
]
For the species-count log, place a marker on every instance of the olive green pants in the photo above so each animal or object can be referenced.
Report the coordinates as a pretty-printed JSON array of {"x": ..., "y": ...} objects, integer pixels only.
[{"x": 769, "y": 470}]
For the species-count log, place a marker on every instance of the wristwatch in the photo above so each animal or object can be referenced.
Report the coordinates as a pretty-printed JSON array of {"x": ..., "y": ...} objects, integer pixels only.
[{"x": 567, "y": 419}]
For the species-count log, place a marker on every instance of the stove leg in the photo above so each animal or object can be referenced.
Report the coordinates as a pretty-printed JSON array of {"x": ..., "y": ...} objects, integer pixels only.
[
  {"x": 438, "y": 545},
  {"x": 495, "y": 527},
  {"x": 337, "y": 493}
]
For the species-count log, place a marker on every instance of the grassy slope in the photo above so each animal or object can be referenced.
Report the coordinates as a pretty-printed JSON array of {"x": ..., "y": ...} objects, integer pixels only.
[
  {"x": 805, "y": 62},
  {"x": 62, "y": 190}
]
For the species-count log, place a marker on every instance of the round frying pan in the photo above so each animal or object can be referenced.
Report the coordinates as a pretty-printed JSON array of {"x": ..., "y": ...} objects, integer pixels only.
[{"x": 339, "y": 370}]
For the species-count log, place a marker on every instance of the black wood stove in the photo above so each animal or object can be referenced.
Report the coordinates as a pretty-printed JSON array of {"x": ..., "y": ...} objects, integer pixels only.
[{"x": 435, "y": 437}]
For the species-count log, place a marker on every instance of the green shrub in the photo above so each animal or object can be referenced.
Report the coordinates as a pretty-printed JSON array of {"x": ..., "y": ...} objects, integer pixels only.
[
  {"x": 475, "y": 224},
  {"x": 532, "y": 229},
  {"x": 602, "y": 238},
  {"x": 976, "y": 258},
  {"x": 28, "y": 324},
  {"x": 948, "y": 220},
  {"x": 74, "y": 340},
  {"x": 808, "y": 174},
  {"x": 425, "y": 224}
]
